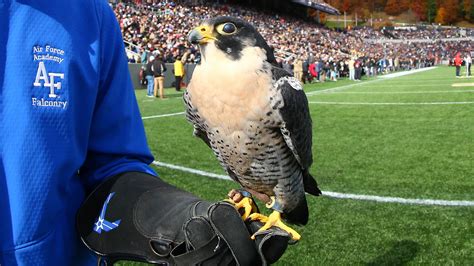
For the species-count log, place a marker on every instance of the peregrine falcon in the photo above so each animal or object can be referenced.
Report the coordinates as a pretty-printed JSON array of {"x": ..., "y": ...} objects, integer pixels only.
[{"x": 254, "y": 116}]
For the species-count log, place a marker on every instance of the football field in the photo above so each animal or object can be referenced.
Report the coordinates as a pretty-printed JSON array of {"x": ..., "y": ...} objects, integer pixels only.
[{"x": 393, "y": 156}]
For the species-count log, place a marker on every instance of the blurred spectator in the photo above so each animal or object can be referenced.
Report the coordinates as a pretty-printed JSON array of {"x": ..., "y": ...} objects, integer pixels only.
[
  {"x": 298, "y": 70},
  {"x": 159, "y": 69},
  {"x": 179, "y": 71},
  {"x": 313, "y": 72},
  {"x": 351, "y": 69},
  {"x": 458, "y": 63},
  {"x": 468, "y": 63},
  {"x": 150, "y": 76}
]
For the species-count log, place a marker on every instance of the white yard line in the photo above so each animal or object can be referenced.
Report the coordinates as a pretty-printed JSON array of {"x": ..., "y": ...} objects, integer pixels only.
[
  {"x": 362, "y": 103},
  {"x": 463, "y": 85},
  {"x": 404, "y": 73},
  {"x": 345, "y": 87},
  {"x": 398, "y": 200},
  {"x": 337, "y": 194},
  {"x": 163, "y": 115},
  {"x": 401, "y": 92},
  {"x": 381, "y": 78},
  {"x": 387, "y": 85}
]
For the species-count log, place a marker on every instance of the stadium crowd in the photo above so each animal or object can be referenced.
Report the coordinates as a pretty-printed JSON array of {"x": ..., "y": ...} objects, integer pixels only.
[{"x": 160, "y": 28}]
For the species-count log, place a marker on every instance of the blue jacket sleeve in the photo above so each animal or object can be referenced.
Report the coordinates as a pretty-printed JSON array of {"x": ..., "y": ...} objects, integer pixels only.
[{"x": 117, "y": 141}]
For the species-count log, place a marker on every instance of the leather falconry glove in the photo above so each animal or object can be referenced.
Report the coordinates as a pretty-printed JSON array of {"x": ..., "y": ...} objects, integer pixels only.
[{"x": 139, "y": 217}]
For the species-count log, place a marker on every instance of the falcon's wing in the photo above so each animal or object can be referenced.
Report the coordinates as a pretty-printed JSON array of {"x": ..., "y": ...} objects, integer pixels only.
[
  {"x": 296, "y": 126},
  {"x": 192, "y": 115}
]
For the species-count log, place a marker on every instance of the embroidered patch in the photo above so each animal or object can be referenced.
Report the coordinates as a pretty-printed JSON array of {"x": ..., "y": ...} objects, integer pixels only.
[{"x": 50, "y": 56}]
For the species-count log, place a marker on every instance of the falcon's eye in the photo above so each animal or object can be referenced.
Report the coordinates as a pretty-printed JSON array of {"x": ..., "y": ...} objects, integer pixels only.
[{"x": 226, "y": 28}]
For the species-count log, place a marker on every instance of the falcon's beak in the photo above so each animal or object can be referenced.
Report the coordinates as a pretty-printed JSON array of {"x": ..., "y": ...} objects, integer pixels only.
[{"x": 201, "y": 35}]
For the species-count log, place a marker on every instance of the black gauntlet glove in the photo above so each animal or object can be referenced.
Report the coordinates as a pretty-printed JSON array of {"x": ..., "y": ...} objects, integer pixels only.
[{"x": 135, "y": 216}]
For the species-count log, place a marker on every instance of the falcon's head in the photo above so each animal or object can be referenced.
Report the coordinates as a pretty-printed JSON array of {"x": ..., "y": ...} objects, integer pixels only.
[{"x": 231, "y": 36}]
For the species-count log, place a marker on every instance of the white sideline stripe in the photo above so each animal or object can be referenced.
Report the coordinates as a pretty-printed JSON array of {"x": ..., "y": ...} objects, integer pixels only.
[
  {"x": 381, "y": 78},
  {"x": 388, "y": 85},
  {"x": 164, "y": 115},
  {"x": 343, "y": 87},
  {"x": 400, "y": 92},
  {"x": 421, "y": 103},
  {"x": 404, "y": 73},
  {"x": 463, "y": 85},
  {"x": 399, "y": 200},
  {"x": 337, "y": 194}
]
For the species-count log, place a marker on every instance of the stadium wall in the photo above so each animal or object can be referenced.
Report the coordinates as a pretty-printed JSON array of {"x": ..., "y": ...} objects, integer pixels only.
[{"x": 134, "y": 70}]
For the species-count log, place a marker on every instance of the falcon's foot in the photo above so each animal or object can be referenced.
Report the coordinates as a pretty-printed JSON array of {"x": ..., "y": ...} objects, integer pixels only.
[
  {"x": 242, "y": 200},
  {"x": 274, "y": 220}
]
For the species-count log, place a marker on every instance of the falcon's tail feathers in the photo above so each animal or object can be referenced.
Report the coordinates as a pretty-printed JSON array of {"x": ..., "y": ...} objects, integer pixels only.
[
  {"x": 298, "y": 215},
  {"x": 310, "y": 185}
]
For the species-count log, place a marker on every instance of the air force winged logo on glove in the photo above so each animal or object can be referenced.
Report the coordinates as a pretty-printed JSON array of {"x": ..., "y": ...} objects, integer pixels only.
[{"x": 102, "y": 223}]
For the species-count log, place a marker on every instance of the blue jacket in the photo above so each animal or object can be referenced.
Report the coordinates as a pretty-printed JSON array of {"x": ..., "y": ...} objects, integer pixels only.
[{"x": 68, "y": 120}]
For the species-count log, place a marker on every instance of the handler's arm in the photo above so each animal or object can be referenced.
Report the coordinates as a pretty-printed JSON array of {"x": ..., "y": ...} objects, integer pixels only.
[{"x": 117, "y": 141}]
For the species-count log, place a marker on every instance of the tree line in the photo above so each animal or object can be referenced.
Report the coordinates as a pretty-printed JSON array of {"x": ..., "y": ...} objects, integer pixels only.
[{"x": 445, "y": 12}]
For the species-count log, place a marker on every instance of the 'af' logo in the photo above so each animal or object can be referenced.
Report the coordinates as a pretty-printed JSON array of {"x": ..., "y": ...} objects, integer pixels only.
[{"x": 49, "y": 80}]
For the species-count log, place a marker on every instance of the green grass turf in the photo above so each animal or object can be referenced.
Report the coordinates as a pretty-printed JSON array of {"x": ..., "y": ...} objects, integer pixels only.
[{"x": 415, "y": 151}]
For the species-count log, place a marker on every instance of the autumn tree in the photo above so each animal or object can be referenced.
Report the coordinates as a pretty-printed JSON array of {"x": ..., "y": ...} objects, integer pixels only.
[
  {"x": 322, "y": 17},
  {"x": 468, "y": 7},
  {"x": 431, "y": 10},
  {"x": 346, "y": 5},
  {"x": 420, "y": 9},
  {"x": 370, "y": 5},
  {"x": 451, "y": 9},
  {"x": 441, "y": 15},
  {"x": 392, "y": 7},
  {"x": 335, "y": 3},
  {"x": 404, "y": 5},
  {"x": 471, "y": 13}
]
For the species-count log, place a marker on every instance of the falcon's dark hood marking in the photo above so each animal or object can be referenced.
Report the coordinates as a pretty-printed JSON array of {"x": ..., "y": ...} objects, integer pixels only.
[{"x": 231, "y": 35}]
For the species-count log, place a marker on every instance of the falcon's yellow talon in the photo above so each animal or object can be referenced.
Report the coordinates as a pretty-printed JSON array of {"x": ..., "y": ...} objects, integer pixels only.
[
  {"x": 273, "y": 220},
  {"x": 245, "y": 203},
  {"x": 258, "y": 217},
  {"x": 230, "y": 201}
]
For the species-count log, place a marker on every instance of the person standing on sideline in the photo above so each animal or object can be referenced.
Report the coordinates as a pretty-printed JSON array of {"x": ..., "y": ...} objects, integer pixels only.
[
  {"x": 397, "y": 63},
  {"x": 298, "y": 70},
  {"x": 179, "y": 70},
  {"x": 159, "y": 69},
  {"x": 319, "y": 69},
  {"x": 468, "y": 63},
  {"x": 458, "y": 63},
  {"x": 149, "y": 77},
  {"x": 357, "y": 69},
  {"x": 287, "y": 66},
  {"x": 351, "y": 69},
  {"x": 306, "y": 77},
  {"x": 313, "y": 73}
]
